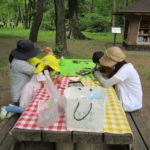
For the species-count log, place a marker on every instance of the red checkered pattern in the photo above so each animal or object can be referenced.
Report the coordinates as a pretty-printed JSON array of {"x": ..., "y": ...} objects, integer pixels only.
[
  {"x": 28, "y": 119},
  {"x": 115, "y": 118}
]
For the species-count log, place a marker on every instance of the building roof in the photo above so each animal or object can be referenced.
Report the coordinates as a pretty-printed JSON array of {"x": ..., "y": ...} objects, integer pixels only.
[{"x": 140, "y": 7}]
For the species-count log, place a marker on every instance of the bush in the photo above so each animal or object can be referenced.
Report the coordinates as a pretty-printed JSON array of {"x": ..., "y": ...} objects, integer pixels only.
[{"x": 95, "y": 23}]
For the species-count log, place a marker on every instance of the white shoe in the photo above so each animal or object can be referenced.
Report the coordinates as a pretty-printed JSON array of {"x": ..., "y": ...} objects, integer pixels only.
[
  {"x": 11, "y": 105},
  {"x": 3, "y": 112},
  {"x": 9, "y": 115}
]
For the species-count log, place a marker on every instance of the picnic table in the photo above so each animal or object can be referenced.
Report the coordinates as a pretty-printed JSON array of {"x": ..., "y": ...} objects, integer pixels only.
[{"x": 116, "y": 129}]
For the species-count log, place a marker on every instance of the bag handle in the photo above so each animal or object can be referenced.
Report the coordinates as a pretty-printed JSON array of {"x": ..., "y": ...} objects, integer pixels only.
[{"x": 79, "y": 119}]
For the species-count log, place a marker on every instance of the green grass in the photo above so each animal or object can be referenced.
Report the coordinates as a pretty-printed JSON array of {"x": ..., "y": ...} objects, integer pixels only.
[
  {"x": 76, "y": 48},
  {"x": 104, "y": 37},
  {"x": 22, "y": 33},
  {"x": 19, "y": 32},
  {"x": 147, "y": 74}
]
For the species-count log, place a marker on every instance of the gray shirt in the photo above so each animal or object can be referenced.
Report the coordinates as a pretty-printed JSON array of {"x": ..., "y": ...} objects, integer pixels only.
[{"x": 20, "y": 73}]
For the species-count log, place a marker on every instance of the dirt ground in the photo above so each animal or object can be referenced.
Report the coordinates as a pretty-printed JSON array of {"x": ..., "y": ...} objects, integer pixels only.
[{"x": 141, "y": 60}]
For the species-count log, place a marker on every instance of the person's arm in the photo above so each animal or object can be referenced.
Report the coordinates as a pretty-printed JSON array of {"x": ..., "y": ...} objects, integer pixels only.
[
  {"x": 106, "y": 82},
  {"x": 48, "y": 50},
  {"x": 41, "y": 78},
  {"x": 24, "y": 67}
]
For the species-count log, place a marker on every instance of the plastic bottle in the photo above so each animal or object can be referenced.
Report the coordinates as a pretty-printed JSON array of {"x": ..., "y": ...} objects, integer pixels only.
[{"x": 61, "y": 61}]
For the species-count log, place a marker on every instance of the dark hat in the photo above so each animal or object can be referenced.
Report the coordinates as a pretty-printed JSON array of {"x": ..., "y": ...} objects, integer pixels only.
[
  {"x": 25, "y": 50},
  {"x": 96, "y": 56}
]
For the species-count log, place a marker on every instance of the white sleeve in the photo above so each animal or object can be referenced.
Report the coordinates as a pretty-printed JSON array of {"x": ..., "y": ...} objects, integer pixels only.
[
  {"x": 124, "y": 72},
  {"x": 106, "y": 82}
]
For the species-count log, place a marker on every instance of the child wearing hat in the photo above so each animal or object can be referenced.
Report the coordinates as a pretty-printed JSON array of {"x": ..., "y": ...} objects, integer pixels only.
[
  {"x": 106, "y": 71},
  {"x": 50, "y": 63},
  {"x": 20, "y": 69},
  {"x": 125, "y": 78}
]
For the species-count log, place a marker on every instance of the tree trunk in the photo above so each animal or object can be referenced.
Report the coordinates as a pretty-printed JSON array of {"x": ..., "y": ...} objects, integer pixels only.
[
  {"x": 18, "y": 16},
  {"x": 91, "y": 5},
  {"x": 61, "y": 43},
  {"x": 126, "y": 22},
  {"x": 37, "y": 20},
  {"x": 125, "y": 3},
  {"x": 22, "y": 17},
  {"x": 75, "y": 32},
  {"x": 114, "y": 17},
  {"x": 26, "y": 25}
]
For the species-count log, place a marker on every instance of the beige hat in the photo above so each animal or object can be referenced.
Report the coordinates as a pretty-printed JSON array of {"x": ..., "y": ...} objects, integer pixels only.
[{"x": 112, "y": 56}]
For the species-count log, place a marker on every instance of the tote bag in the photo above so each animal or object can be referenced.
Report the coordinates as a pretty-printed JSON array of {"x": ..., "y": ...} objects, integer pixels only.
[{"x": 83, "y": 113}]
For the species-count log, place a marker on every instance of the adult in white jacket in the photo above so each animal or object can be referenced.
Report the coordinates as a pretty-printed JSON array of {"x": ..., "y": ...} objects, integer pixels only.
[{"x": 125, "y": 78}]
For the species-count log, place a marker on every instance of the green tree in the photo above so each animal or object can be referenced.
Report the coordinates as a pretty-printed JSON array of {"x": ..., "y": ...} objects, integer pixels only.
[
  {"x": 74, "y": 30},
  {"x": 61, "y": 43},
  {"x": 37, "y": 21}
]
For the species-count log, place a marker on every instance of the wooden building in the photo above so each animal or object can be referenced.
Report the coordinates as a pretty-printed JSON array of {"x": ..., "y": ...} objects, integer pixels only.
[{"x": 137, "y": 25}]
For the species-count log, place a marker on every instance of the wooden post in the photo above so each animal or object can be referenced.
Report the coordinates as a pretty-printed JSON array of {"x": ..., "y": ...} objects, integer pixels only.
[
  {"x": 84, "y": 146},
  {"x": 65, "y": 146},
  {"x": 133, "y": 29},
  {"x": 115, "y": 38}
]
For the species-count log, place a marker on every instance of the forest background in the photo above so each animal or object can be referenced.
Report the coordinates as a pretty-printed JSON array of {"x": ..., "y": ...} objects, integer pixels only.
[
  {"x": 61, "y": 15},
  {"x": 74, "y": 28}
]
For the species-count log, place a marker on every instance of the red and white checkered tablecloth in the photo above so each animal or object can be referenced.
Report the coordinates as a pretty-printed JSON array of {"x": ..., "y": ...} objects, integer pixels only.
[
  {"x": 115, "y": 118},
  {"x": 28, "y": 119}
]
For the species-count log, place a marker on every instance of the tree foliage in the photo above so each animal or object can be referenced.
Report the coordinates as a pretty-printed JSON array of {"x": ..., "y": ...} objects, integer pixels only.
[{"x": 93, "y": 15}]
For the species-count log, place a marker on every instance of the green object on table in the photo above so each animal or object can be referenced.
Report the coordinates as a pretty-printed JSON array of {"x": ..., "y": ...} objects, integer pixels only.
[
  {"x": 62, "y": 61},
  {"x": 71, "y": 66}
]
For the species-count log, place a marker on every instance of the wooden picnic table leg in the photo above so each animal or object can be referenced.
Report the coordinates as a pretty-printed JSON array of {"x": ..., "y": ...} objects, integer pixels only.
[
  {"x": 36, "y": 146},
  {"x": 65, "y": 146},
  {"x": 85, "y": 146}
]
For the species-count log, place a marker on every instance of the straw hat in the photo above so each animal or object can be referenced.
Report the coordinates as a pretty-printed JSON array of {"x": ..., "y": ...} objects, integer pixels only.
[{"x": 112, "y": 56}]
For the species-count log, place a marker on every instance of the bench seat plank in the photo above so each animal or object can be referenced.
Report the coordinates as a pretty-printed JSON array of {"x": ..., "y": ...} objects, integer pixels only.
[
  {"x": 138, "y": 143},
  {"x": 9, "y": 124},
  {"x": 142, "y": 128}
]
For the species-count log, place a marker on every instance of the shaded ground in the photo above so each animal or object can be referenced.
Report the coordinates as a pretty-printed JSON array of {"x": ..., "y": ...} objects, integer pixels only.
[{"x": 141, "y": 61}]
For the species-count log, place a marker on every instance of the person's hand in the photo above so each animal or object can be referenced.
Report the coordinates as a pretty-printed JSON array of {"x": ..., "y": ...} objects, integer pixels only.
[
  {"x": 106, "y": 75},
  {"x": 56, "y": 80},
  {"x": 48, "y": 50},
  {"x": 42, "y": 83},
  {"x": 97, "y": 74}
]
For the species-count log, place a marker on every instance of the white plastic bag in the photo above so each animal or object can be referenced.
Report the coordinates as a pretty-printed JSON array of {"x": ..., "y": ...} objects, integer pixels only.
[
  {"x": 50, "y": 114},
  {"x": 85, "y": 108}
]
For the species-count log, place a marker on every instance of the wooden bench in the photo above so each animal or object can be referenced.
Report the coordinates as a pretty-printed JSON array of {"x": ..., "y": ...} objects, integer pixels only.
[
  {"x": 7, "y": 141},
  {"x": 141, "y": 133},
  {"x": 141, "y": 140}
]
